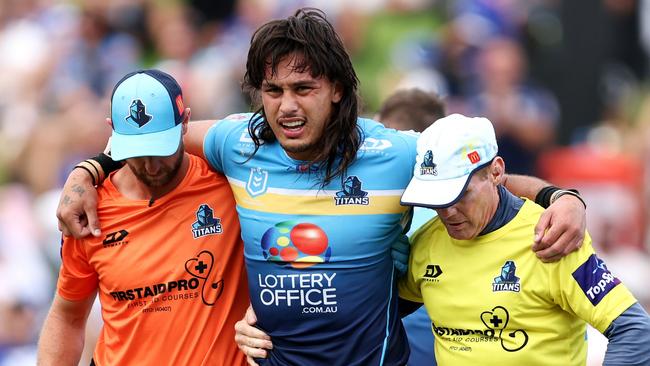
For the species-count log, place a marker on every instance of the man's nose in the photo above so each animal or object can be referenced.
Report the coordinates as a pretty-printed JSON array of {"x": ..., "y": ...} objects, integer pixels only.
[
  {"x": 447, "y": 211},
  {"x": 152, "y": 165},
  {"x": 288, "y": 104}
]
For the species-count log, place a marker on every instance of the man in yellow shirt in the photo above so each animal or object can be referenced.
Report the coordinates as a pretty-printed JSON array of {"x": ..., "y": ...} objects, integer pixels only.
[{"x": 490, "y": 299}]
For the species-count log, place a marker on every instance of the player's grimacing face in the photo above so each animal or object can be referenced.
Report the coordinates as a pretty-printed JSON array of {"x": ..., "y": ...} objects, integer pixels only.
[{"x": 298, "y": 107}]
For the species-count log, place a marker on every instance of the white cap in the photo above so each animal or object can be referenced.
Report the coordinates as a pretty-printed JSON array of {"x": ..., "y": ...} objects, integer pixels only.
[{"x": 448, "y": 153}]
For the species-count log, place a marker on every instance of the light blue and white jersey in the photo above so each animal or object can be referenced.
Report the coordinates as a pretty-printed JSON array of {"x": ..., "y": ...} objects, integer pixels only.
[{"x": 318, "y": 258}]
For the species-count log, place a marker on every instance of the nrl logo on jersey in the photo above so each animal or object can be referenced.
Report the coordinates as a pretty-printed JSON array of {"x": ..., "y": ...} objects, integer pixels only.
[
  {"x": 257, "y": 180},
  {"x": 245, "y": 137},
  {"x": 206, "y": 223},
  {"x": 507, "y": 281},
  {"x": 351, "y": 194},
  {"x": 428, "y": 167},
  {"x": 370, "y": 144}
]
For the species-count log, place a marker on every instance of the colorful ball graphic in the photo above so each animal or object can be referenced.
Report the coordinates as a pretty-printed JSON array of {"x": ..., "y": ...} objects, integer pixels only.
[{"x": 299, "y": 245}]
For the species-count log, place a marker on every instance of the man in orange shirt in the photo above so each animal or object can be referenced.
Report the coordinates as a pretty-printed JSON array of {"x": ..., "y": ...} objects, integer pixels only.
[{"x": 170, "y": 271}]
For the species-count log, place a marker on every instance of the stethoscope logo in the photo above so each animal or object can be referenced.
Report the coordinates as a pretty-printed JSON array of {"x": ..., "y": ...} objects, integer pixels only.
[{"x": 497, "y": 320}]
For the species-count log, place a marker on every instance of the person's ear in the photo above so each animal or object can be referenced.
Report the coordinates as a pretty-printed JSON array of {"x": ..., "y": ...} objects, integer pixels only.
[
  {"x": 338, "y": 92},
  {"x": 186, "y": 119},
  {"x": 497, "y": 170},
  {"x": 109, "y": 122}
]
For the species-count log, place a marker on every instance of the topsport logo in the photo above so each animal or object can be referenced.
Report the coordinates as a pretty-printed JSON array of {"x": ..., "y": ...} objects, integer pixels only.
[
  {"x": 595, "y": 279},
  {"x": 298, "y": 245}
]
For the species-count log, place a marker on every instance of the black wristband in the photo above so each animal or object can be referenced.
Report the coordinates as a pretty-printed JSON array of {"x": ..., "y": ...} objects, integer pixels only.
[
  {"x": 572, "y": 192},
  {"x": 94, "y": 167},
  {"x": 543, "y": 197},
  {"x": 87, "y": 170},
  {"x": 107, "y": 163}
]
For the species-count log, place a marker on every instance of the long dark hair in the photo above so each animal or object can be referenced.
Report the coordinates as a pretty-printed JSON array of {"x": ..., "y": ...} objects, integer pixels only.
[{"x": 309, "y": 35}]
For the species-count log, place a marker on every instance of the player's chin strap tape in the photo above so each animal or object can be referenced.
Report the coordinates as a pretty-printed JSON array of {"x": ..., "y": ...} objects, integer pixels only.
[
  {"x": 547, "y": 195},
  {"x": 107, "y": 164}
]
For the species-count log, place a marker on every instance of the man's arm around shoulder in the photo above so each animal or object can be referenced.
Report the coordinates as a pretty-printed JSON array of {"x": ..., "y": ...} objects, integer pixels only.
[
  {"x": 195, "y": 136},
  {"x": 62, "y": 338}
]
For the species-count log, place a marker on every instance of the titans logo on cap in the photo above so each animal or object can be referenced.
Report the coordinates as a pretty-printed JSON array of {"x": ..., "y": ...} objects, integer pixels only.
[
  {"x": 428, "y": 167},
  {"x": 138, "y": 113}
]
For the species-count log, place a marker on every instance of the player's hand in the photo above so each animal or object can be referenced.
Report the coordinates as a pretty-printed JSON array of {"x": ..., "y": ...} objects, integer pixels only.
[
  {"x": 399, "y": 251},
  {"x": 77, "y": 210},
  {"x": 252, "y": 341},
  {"x": 561, "y": 229}
]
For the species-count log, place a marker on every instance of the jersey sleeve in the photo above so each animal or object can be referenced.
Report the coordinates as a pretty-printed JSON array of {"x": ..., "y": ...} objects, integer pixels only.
[
  {"x": 410, "y": 137},
  {"x": 581, "y": 284},
  {"x": 217, "y": 138},
  {"x": 212, "y": 146},
  {"x": 77, "y": 277}
]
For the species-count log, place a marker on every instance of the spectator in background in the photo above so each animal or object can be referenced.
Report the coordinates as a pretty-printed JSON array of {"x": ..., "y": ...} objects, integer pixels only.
[
  {"x": 524, "y": 116},
  {"x": 410, "y": 109},
  {"x": 25, "y": 279}
]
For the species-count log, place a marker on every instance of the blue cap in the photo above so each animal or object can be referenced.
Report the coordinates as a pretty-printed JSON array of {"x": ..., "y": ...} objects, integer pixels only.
[{"x": 147, "y": 114}]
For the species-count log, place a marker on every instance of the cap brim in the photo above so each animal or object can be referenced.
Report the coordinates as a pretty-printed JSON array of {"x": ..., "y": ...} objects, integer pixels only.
[
  {"x": 434, "y": 194},
  {"x": 163, "y": 143}
]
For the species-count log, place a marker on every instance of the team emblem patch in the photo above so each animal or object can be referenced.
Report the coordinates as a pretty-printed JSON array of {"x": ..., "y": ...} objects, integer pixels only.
[
  {"x": 351, "y": 194},
  {"x": 206, "y": 223},
  {"x": 595, "y": 279},
  {"x": 428, "y": 167},
  {"x": 138, "y": 113},
  {"x": 257, "y": 180},
  {"x": 507, "y": 281}
]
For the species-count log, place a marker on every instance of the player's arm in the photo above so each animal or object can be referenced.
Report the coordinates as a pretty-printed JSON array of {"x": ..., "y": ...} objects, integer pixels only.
[
  {"x": 193, "y": 139},
  {"x": 582, "y": 285},
  {"x": 251, "y": 340},
  {"x": 77, "y": 209},
  {"x": 629, "y": 337},
  {"x": 62, "y": 338},
  {"x": 560, "y": 229}
]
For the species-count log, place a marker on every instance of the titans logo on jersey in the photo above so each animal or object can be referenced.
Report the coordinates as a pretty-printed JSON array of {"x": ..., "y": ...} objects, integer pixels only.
[
  {"x": 507, "y": 281},
  {"x": 351, "y": 194},
  {"x": 206, "y": 223},
  {"x": 317, "y": 257}
]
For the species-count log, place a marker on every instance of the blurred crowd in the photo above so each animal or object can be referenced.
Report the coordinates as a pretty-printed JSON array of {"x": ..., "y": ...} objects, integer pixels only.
[{"x": 564, "y": 82}]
